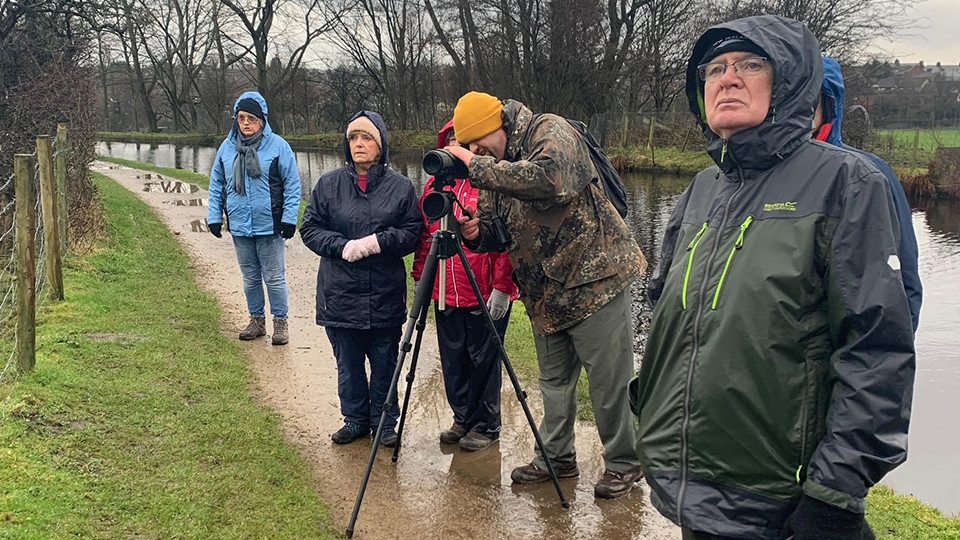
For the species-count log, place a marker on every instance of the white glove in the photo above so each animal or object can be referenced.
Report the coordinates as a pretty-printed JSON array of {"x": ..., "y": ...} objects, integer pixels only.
[
  {"x": 351, "y": 251},
  {"x": 497, "y": 304},
  {"x": 369, "y": 245}
]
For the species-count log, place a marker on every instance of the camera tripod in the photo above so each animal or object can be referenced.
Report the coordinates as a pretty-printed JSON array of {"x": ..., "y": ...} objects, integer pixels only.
[{"x": 446, "y": 244}]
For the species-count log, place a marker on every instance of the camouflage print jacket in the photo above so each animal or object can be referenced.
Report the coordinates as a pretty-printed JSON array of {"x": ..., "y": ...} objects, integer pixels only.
[{"x": 570, "y": 250}]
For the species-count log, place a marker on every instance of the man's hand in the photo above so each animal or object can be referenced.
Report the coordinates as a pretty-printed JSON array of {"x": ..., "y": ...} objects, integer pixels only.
[
  {"x": 287, "y": 230},
  {"x": 469, "y": 223},
  {"x": 817, "y": 520},
  {"x": 460, "y": 153},
  {"x": 216, "y": 229}
]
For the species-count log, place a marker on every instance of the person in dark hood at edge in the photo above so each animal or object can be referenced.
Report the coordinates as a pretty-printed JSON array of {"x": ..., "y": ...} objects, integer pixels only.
[
  {"x": 254, "y": 181},
  {"x": 362, "y": 219},
  {"x": 826, "y": 127},
  {"x": 777, "y": 380}
]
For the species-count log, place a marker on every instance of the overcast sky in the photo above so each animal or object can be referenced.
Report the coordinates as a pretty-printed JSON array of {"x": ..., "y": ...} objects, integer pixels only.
[{"x": 936, "y": 40}]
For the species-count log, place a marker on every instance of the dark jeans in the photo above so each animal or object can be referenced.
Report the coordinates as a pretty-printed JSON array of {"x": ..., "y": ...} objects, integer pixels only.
[
  {"x": 360, "y": 402},
  {"x": 471, "y": 367}
]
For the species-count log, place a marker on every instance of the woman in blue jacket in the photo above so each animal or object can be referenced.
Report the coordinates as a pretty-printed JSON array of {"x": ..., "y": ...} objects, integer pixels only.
[
  {"x": 362, "y": 219},
  {"x": 255, "y": 183}
]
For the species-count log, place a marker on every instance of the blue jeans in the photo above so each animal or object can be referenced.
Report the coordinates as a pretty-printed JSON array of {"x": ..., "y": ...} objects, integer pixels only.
[
  {"x": 360, "y": 402},
  {"x": 261, "y": 262}
]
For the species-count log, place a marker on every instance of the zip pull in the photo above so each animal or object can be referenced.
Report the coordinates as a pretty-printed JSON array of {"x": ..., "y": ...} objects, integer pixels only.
[
  {"x": 736, "y": 245},
  {"x": 743, "y": 229},
  {"x": 692, "y": 248},
  {"x": 696, "y": 238},
  {"x": 773, "y": 118},
  {"x": 723, "y": 151}
]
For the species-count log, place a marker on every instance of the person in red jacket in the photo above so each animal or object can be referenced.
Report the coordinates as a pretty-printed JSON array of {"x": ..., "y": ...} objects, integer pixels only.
[{"x": 469, "y": 358}]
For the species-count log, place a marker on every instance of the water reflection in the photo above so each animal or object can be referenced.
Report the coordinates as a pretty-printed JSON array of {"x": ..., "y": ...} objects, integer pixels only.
[{"x": 930, "y": 473}]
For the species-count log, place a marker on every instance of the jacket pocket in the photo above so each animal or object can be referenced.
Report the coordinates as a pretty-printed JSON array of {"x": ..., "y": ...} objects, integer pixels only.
[
  {"x": 726, "y": 267},
  {"x": 579, "y": 262},
  {"x": 692, "y": 248}
]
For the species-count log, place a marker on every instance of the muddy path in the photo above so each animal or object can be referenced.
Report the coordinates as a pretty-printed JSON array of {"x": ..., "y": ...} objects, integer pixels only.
[{"x": 433, "y": 490}]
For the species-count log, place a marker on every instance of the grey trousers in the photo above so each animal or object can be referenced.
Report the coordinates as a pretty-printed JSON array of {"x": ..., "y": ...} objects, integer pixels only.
[{"x": 603, "y": 346}]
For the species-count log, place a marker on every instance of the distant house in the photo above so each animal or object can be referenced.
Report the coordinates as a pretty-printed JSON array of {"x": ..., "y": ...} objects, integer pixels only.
[{"x": 949, "y": 72}]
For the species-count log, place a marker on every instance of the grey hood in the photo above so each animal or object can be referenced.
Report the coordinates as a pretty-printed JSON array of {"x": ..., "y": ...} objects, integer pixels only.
[{"x": 796, "y": 90}]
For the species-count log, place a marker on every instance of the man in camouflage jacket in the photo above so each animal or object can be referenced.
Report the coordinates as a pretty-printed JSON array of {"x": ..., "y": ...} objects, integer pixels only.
[{"x": 573, "y": 258}]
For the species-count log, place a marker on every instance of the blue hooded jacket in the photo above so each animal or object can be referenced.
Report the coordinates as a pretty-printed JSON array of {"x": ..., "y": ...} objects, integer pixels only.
[
  {"x": 833, "y": 90},
  {"x": 271, "y": 199}
]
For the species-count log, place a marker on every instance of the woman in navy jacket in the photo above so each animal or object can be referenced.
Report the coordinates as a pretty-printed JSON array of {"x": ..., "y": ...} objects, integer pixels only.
[{"x": 362, "y": 219}]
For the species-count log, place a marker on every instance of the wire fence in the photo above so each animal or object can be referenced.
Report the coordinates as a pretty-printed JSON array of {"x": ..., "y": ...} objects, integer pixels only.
[{"x": 26, "y": 250}]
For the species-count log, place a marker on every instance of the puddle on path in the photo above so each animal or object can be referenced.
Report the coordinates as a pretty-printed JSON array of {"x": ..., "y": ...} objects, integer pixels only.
[
  {"x": 170, "y": 187},
  {"x": 187, "y": 202},
  {"x": 199, "y": 225}
]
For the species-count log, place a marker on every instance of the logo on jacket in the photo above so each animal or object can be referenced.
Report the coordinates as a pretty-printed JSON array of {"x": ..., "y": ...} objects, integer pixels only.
[{"x": 780, "y": 206}]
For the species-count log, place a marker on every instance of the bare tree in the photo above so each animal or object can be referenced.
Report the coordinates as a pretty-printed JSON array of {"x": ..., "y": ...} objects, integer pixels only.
[
  {"x": 387, "y": 39},
  {"x": 180, "y": 40},
  {"x": 843, "y": 27},
  {"x": 283, "y": 28}
]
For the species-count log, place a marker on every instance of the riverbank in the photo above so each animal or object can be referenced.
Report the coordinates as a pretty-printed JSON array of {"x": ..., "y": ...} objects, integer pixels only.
[{"x": 894, "y": 147}]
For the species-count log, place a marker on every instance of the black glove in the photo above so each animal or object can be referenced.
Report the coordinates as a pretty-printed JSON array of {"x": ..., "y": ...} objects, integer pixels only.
[
  {"x": 816, "y": 520},
  {"x": 215, "y": 229},
  {"x": 287, "y": 230}
]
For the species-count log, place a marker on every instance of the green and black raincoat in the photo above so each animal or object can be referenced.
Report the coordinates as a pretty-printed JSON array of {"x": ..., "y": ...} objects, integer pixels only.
[{"x": 780, "y": 359}]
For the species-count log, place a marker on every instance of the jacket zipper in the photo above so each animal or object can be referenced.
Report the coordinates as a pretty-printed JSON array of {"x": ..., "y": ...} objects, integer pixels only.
[
  {"x": 684, "y": 443},
  {"x": 692, "y": 248},
  {"x": 737, "y": 245}
]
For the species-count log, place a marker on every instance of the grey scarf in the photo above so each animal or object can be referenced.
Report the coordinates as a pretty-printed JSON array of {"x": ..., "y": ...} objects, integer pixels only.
[{"x": 249, "y": 165}]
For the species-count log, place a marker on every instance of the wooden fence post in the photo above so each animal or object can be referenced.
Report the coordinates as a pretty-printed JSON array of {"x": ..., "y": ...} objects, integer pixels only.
[
  {"x": 51, "y": 228},
  {"x": 60, "y": 171},
  {"x": 25, "y": 217}
]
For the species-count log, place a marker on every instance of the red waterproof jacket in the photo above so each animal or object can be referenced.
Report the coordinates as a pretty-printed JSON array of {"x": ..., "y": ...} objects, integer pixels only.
[{"x": 492, "y": 270}]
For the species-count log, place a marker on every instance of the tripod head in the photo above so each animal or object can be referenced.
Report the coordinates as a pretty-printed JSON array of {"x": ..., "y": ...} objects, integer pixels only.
[{"x": 445, "y": 168}]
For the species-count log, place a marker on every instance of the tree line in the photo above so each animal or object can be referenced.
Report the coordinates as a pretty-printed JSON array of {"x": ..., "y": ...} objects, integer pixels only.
[{"x": 178, "y": 64}]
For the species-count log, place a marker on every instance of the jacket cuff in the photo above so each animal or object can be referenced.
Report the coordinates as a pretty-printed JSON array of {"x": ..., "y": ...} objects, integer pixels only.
[{"x": 833, "y": 497}]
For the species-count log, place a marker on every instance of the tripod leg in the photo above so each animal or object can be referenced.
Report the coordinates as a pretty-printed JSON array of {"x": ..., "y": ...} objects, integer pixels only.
[
  {"x": 421, "y": 303},
  {"x": 411, "y": 373},
  {"x": 521, "y": 395}
]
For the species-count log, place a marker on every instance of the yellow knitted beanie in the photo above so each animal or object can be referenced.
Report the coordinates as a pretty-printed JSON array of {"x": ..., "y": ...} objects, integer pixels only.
[{"x": 475, "y": 116}]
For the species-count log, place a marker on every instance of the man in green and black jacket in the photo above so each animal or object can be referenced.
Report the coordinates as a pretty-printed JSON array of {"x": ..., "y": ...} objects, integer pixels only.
[{"x": 776, "y": 384}]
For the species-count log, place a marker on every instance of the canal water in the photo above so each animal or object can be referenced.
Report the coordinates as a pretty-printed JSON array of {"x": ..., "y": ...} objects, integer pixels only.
[{"x": 931, "y": 472}]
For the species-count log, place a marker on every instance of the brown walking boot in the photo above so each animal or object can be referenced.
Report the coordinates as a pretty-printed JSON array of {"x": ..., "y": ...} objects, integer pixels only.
[
  {"x": 281, "y": 335},
  {"x": 256, "y": 328}
]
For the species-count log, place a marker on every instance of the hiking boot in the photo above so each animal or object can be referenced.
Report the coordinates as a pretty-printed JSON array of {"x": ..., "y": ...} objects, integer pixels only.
[
  {"x": 349, "y": 433},
  {"x": 615, "y": 484},
  {"x": 473, "y": 441},
  {"x": 452, "y": 435},
  {"x": 389, "y": 437},
  {"x": 281, "y": 334},
  {"x": 531, "y": 474},
  {"x": 256, "y": 328}
]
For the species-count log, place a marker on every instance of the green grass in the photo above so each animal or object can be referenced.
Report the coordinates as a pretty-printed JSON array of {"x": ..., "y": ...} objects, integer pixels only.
[
  {"x": 899, "y": 516},
  {"x": 137, "y": 421}
]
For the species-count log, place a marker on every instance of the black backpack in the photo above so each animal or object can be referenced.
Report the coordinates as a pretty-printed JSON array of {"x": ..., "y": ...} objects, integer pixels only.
[{"x": 611, "y": 182}]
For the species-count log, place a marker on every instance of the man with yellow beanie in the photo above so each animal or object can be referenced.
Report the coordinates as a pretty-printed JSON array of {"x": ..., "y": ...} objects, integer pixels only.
[{"x": 573, "y": 258}]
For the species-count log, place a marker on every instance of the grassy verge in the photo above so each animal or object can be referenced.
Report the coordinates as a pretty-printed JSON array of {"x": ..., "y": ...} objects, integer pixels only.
[{"x": 137, "y": 421}]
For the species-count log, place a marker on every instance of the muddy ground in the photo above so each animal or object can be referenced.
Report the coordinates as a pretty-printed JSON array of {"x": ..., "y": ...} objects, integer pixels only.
[{"x": 433, "y": 490}]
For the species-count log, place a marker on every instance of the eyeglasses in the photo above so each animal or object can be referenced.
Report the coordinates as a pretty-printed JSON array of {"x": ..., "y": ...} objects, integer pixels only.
[
  {"x": 745, "y": 67},
  {"x": 247, "y": 119}
]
